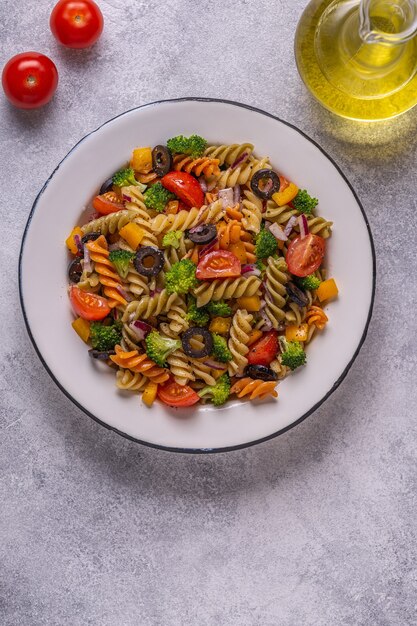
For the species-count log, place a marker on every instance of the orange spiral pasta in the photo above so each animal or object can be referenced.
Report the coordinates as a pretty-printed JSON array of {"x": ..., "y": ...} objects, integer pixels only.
[
  {"x": 136, "y": 362},
  {"x": 204, "y": 165},
  {"x": 315, "y": 315},
  {"x": 249, "y": 246},
  {"x": 254, "y": 388},
  {"x": 228, "y": 233},
  {"x": 107, "y": 274},
  {"x": 210, "y": 196}
]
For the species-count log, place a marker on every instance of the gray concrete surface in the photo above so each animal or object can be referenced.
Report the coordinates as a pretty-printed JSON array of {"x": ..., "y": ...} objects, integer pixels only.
[{"x": 316, "y": 528}]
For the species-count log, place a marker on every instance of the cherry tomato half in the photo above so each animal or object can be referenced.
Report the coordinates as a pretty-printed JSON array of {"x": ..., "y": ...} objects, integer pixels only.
[
  {"x": 29, "y": 80},
  {"x": 218, "y": 264},
  {"x": 305, "y": 255},
  {"x": 185, "y": 186},
  {"x": 76, "y": 23},
  {"x": 89, "y": 306},
  {"x": 174, "y": 394},
  {"x": 106, "y": 203},
  {"x": 264, "y": 351}
]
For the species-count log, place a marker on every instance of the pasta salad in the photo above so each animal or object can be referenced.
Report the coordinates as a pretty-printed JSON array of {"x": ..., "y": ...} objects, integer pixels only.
[{"x": 200, "y": 275}]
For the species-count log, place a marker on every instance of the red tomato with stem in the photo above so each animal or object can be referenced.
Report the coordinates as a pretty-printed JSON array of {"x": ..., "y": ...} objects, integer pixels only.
[
  {"x": 264, "y": 351},
  {"x": 177, "y": 395},
  {"x": 305, "y": 255},
  {"x": 29, "y": 80},
  {"x": 218, "y": 264},
  {"x": 89, "y": 306},
  {"x": 76, "y": 23},
  {"x": 186, "y": 188},
  {"x": 106, "y": 204}
]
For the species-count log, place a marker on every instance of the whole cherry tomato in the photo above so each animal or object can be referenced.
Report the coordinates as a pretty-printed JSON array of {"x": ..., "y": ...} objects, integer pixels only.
[
  {"x": 186, "y": 188},
  {"x": 29, "y": 80},
  {"x": 76, "y": 23}
]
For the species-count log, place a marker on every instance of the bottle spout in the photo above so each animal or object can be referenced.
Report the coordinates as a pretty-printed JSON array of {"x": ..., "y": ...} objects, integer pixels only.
[{"x": 387, "y": 22}]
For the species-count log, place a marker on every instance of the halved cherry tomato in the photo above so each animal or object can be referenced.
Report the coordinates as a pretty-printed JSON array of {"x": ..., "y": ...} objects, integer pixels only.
[
  {"x": 305, "y": 255},
  {"x": 264, "y": 350},
  {"x": 185, "y": 186},
  {"x": 218, "y": 264},
  {"x": 174, "y": 394},
  {"x": 106, "y": 204},
  {"x": 89, "y": 306}
]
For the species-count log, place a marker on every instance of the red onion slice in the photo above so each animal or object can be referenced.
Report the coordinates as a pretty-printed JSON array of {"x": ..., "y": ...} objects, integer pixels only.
[
  {"x": 126, "y": 197},
  {"x": 87, "y": 260},
  {"x": 214, "y": 365},
  {"x": 203, "y": 184},
  {"x": 239, "y": 160},
  {"x": 79, "y": 245},
  {"x": 250, "y": 269},
  {"x": 278, "y": 233},
  {"x": 124, "y": 293},
  {"x": 267, "y": 322},
  {"x": 236, "y": 194},
  {"x": 207, "y": 248},
  {"x": 141, "y": 329},
  {"x": 303, "y": 224},
  {"x": 153, "y": 292},
  {"x": 226, "y": 196},
  {"x": 290, "y": 225}
]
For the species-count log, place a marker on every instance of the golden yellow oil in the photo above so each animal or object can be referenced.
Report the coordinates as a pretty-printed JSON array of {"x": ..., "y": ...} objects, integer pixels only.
[{"x": 347, "y": 74}]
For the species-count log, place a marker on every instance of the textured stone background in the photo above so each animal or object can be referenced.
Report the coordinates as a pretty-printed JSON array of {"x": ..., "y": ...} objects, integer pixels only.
[{"x": 317, "y": 527}]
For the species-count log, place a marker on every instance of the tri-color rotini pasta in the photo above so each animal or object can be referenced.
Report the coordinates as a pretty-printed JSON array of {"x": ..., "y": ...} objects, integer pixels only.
[{"x": 200, "y": 276}]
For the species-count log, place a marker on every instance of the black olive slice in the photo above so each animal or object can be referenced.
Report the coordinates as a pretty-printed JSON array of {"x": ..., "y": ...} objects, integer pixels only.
[
  {"x": 161, "y": 160},
  {"x": 75, "y": 269},
  {"x": 148, "y": 261},
  {"x": 203, "y": 234},
  {"x": 101, "y": 356},
  {"x": 296, "y": 294},
  {"x": 264, "y": 183},
  {"x": 106, "y": 186},
  {"x": 260, "y": 372},
  {"x": 90, "y": 237},
  {"x": 200, "y": 333}
]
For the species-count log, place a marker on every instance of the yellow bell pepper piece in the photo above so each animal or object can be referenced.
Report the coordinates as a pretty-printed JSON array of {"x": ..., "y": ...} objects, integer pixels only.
[
  {"x": 220, "y": 325},
  {"x": 250, "y": 303},
  {"x": 284, "y": 197},
  {"x": 254, "y": 335},
  {"x": 239, "y": 250},
  {"x": 217, "y": 373},
  {"x": 142, "y": 160},
  {"x": 70, "y": 241},
  {"x": 149, "y": 394},
  {"x": 133, "y": 234},
  {"x": 296, "y": 333},
  {"x": 327, "y": 290},
  {"x": 82, "y": 328}
]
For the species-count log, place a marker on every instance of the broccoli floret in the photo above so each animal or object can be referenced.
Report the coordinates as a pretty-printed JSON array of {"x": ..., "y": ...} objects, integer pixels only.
[
  {"x": 220, "y": 350},
  {"x": 158, "y": 348},
  {"x": 124, "y": 178},
  {"x": 266, "y": 244},
  {"x": 198, "y": 316},
  {"x": 121, "y": 260},
  {"x": 309, "y": 282},
  {"x": 219, "y": 309},
  {"x": 260, "y": 265},
  {"x": 181, "y": 277},
  {"x": 156, "y": 197},
  {"x": 218, "y": 392},
  {"x": 304, "y": 203},
  {"x": 103, "y": 337},
  {"x": 194, "y": 146},
  {"x": 172, "y": 238},
  {"x": 292, "y": 353}
]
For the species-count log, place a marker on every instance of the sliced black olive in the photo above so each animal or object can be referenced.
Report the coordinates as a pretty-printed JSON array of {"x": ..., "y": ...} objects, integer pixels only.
[
  {"x": 161, "y": 160},
  {"x": 90, "y": 237},
  {"x": 148, "y": 261},
  {"x": 106, "y": 186},
  {"x": 264, "y": 183},
  {"x": 203, "y": 234},
  {"x": 261, "y": 372},
  {"x": 296, "y": 294},
  {"x": 101, "y": 356},
  {"x": 75, "y": 269},
  {"x": 202, "y": 334}
]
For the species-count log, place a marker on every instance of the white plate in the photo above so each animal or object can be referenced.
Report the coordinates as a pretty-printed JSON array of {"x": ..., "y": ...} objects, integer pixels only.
[{"x": 43, "y": 279}]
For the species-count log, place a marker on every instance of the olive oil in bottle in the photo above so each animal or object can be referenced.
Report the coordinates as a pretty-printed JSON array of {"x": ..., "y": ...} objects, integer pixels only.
[{"x": 359, "y": 58}]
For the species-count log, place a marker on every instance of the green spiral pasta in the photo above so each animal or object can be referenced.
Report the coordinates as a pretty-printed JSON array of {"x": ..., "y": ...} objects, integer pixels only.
[
  {"x": 149, "y": 306},
  {"x": 239, "y": 336},
  {"x": 295, "y": 314},
  {"x": 228, "y": 154},
  {"x": 242, "y": 174},
  {"x": 275, "y": 292},
  {"x": 281, "y": 214},
  {"x": 130, "y": 381},
  {"x": 225, "y": 289},
  {"x": 109, "y": 224},
  {"x": 137, "y": 284},
  {"x": 184, "y": 220},
  {"x": 252, "y": 212}
]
